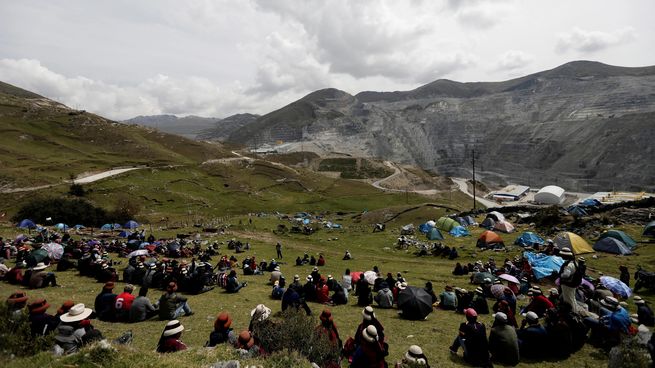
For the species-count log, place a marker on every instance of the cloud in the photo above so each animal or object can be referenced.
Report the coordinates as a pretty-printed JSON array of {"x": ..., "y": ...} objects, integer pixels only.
[
  {"x": 513, "y": 59},
  {"x": 591, "y": 41},
  {"x": 159, "y": 94}
]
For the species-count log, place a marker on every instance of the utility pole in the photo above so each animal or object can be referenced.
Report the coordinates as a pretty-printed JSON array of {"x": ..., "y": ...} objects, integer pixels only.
[{"x": 473, "y": 161}]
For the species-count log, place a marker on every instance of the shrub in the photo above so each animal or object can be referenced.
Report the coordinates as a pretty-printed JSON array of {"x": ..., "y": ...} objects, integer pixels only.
[
  {"x": 76, "y": 190},
  {"x": 629, "y": 354},
  {"x": 67, "y": 210},
  {"x": 16, "y": 338}
]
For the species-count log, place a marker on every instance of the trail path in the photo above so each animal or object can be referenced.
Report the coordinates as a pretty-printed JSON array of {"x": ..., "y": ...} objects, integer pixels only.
[
  {"x": 79, "y": 180},
  {"x": 398, "y": 171},
  {"x": 463, "y": 187}
]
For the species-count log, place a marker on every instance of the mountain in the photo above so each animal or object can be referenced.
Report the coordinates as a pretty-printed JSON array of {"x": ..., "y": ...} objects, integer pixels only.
[
  {"x": 585, "y": 126},
  {"x": 224, "y": 127},
  {"x": 188, "y": 126}
]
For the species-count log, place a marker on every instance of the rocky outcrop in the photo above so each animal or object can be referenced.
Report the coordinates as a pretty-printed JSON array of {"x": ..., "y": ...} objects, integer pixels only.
[{"x": 585, "y": 126}]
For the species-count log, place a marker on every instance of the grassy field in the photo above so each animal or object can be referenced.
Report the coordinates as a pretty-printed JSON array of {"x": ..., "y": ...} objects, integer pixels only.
[{"x": 369, "y": 249}]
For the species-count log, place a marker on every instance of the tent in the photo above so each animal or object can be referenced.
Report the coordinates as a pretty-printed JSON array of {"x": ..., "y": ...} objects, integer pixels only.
[
  {"x": 415, "y": 303},
  {"x": 590, "y": 202},
  {"x": 461, "y": 221},
  {"x": 27, "y": 224},
  {"x": 649, "y": 230},
  {"x": 446, "y": 223},
  {"x": 61, "y": 226},
  {"x": 489, "y": 239},
  {"x": 619, "y": 235},
  {"x": 424, "y": 228},
  {"x": 131, "y": 224},
  {"x": 459, "y": 231},
  {"x": 577, "y": 211},
  {"x": 435, "y": 234},
  {"x": 504, "y": 226},
  {"x": 550, "y": 194},
  {"x": 407, "y": 229},
  {"x": 488, "y": 223},
  {"x": 611, "y": 245},
  {"x": 529, "y": 239},
  {"x": 497, "y": 216},
  {"x": 78, "y": 227},
  {"x": 107, "y": 227},
  {"x": 543, "y": 265},
  {"x": 124, "y": 234},
  {"x": 573, "y": 242},
  {"x": 470, "y": 221}
]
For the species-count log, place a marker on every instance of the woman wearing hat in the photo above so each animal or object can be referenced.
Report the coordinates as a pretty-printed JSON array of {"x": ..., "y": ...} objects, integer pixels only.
[
  {"x": 246, "y": 346},
  {"x": 104, "y": 303},
  {"x": 65, "y": 341},
  {"x": 15, "y": 304},
  {"x": 170, "y": 342},
  {"x": 570, "y": 278},
  {"x": 259, "y": 314},
  {"x": 473, "y": 338},
  {"x": 223, "y": 333},
  {"x": 328, "y": 329},
  {"x": 77, "y": 317},
  {"x": 369, "y": 319},
  {"x": 40, "y": 278},
  {"x": 172, "y": 305},
  {"x": 414, "y": 357},
  {"x": 41, "y": 322},
  {"x": 371, "y": 352},
  {"x": 644, "y": 313}
]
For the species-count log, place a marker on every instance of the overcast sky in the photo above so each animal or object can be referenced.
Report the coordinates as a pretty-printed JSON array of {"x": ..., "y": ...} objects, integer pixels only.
[{"x": 216, "y": 58}]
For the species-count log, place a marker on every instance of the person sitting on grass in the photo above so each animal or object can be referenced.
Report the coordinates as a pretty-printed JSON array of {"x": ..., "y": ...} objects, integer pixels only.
[
  {"x": 170, "y": 342},
  {"x": 104, "y": 303},
  {"x": 142, "y": 309},
  {"x": 123, "y": 303},
  {"x": 40, "y": 278},
  {"x": 222, "y": 333},
  {"x": 371, "y": 352},
  {"x": 246, "y": 346},
  {"x": 328, "y": 329},
  {"x": 384, "y": 297},
  {"x": 171, "y": 305},
  {"x": 41, "y": 323},
  {"x": 503, "y": 342},
  {"x": 472, "y": 338},
  {"x": 233, "y": 285},
  {"x": 532, "y": 338},
  {"x": 448, "y": 299},
  {"x": 414, "y": 357},
  {"x": 369, "y": 319},
  {"x": 16, "y": 304}
]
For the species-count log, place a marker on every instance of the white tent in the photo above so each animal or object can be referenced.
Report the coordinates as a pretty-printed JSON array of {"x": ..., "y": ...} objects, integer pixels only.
[{"x": 550, "y": 194}]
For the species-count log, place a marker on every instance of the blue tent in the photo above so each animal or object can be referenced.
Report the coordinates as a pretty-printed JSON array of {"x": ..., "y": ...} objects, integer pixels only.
[
  {"x": 459, "y": 231},
  {"x": 543, "y": 265},
  {"x": 27, "y": 224},
  {"x": 590, "y": 202},
  {"x": 61, "y": 226},
  {"x": 131, "y": 224},
  {"x": 435, "y": 234},
  {"x": 576, "y": 211},
  {"x": 529, "y": 239},
  {"x": 612, "y": 245},
  {"x": 78, "y": 226},
  {"x": 469, "y": 221},
  {"x": 124, "y": 234},
  {"x": 424, "y": 228},
  {"x": 619, "y": 235},
  {"x": 461, "y": 221},
  {"x": 107, "y": 227}
]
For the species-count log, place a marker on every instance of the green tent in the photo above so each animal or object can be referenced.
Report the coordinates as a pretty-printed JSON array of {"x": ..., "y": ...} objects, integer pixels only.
[
  {"x": 446, "y": 223},
  {"x": 649, "y": 230},
  {"x": 621, "y": 236},
  {"x": 434, "y": 234}
]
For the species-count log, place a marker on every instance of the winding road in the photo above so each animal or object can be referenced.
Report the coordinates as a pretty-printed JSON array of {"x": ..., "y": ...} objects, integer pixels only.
[
  {"x": 78, "y": 180},
  {"x": 463, "y": 187}
]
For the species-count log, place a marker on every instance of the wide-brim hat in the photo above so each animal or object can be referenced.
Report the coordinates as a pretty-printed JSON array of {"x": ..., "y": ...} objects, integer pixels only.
[
  {"x": 634, "y": 318},
  {"x": 260, "y": 312},
  {"x": 565, "y": 252},
  {"x": 17, "y": 297},
  {"x": 172, "y": 328},
  {"x": 610, "y": 302},
  {"x": 401, "y": 285},
  {"x": 38, "y": 306},
  {"x": 296, "y": 277},
  {"x": 277, "y": 268},
  {"x": 370, "y": 333},
  {"x": 77, "y": 313},
  {"x": 532, "y": 316},
  {"x": 368, "y": 313},
  {"x": 479, "y": 290},
  {"x": 500, "y": 316},
  {"x": 245, "y": 340},
  {"x": 65, "y": 334},
  {"x": 638, "y": 300},
  {"x": 554, "y": 291},
  {"x": 40, "y": 266},
  {"x": 223, "y": 321},
  {"x": 415, "y": 355}
]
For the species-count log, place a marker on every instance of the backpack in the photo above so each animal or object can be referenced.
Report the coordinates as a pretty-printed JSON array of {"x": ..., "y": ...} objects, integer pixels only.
[{"x": 576, "y": 279}]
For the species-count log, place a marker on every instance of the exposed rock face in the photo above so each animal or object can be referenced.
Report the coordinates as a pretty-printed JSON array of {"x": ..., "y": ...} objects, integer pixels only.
[
  {"x": 224, "y": 127},
  {"x": 584, "y": 126},
  {"x": 188, "y": 126}
]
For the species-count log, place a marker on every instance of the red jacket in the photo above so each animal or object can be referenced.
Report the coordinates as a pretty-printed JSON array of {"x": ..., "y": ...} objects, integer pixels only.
[
  {"x": 539, "y": 304},
  {"x": 124, "y": 301},
  {"x": 322, "y": 294}
]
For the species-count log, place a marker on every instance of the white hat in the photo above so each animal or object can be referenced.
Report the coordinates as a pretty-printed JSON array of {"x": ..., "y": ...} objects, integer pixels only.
[
  {"x": 172, "y": 328},
  {"x": 610, "y": 302},
  {"x": 401, "y": 285},
  {"x": 77, "y": 313},
  {"x": 296, "y": 277},
  {"x": 39, "y": 266},
  {"x": 500, "y": 316},
  {"x": 554, "y": 291},
  {"x": 261, "y": 312},
  {"x": 309, "y": 278},
  {"x": 639, "y": 300},
  {"x": 277, "y": 268},
  {"x": 370, "y": 334},
  {"x": 634, "y": 318},
  {"x": 368, "y": 313},
  {"x": 479, "y": 290},
  {"x": 415, "y": 355},
  {"x": 532, "y": 316},
  {"x": 565, "y": 252}
]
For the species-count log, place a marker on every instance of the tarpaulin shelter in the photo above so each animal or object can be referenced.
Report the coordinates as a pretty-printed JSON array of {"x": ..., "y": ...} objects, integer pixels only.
[
  {"x": 573, "y": 242},
  {"x": 459, "y": 231},
  {"x": 489, "y": 239},
  {"x": 619, "y": 235},
  {"x": 504, "y": 226},
  {"x": 543, "y": 265},
  {"x": 577, "y": 211},
  {"x": 529, "y": 239},
  {"x": 590, "y": 202},
  {"x": 415, "y": 303},
  {"x": 446, "y": 223},
  {"x": 424, "y": 228},
  {"x": 434, "y": 234},
  {"x": 611, "y": 245}
]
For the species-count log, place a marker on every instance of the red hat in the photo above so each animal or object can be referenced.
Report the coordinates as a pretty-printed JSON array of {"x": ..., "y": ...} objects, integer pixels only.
[
  {"x": 245, "y": 340},
  {"x": 326, "y": 316},
  {"x": 65, "y": 307},
  {"x": 470, "y": 312},
  {"x": 109, "y": 285},
  {"x": 17, "y": 297},
  {"x": 172, "y": 286},
  {"x": 223, "y": 321},
  {"x": 38, "y": 306}
]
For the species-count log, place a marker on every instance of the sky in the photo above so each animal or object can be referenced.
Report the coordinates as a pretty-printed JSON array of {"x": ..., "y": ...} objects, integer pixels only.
[{"x": 215, "y": 58}]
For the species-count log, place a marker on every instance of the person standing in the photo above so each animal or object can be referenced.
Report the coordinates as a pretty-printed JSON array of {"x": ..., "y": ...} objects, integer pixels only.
[
  {"x": 570, "y": 278},
  {"x": 278, "y": 249}
]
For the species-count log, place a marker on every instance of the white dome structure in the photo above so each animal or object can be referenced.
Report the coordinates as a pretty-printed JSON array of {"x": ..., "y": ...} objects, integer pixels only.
[{"x": 551, "y": 194}]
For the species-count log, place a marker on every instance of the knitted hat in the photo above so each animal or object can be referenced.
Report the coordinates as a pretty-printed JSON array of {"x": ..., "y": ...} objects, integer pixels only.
[
  {"x": 415, "y": 355},
  {"x": 172, "y": 328},
  {"x": 223, "y": 321},
  {"x": 370, "y": 334},
  {"x": 368, "y": 313},
  {"x": 245, "y": 340},
  {"x": 77, "y": 313}
]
